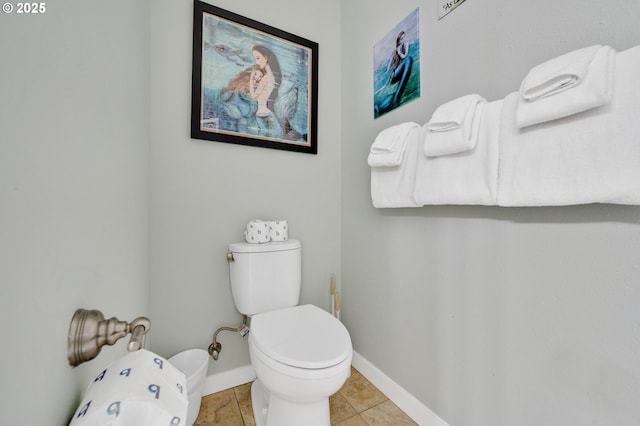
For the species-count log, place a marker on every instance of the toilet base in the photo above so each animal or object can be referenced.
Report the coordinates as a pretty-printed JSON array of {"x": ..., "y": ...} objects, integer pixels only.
[{"x": 271, "y": 410}]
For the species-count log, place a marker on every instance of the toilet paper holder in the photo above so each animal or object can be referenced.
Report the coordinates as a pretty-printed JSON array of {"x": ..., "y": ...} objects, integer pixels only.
[{"x": 89, "y": 331}]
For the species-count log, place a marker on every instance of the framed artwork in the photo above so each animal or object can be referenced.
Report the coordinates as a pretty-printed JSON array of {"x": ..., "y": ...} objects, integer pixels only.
[
  {"x": 396, "y": 66},
  {"x": 253, "y": 84}
]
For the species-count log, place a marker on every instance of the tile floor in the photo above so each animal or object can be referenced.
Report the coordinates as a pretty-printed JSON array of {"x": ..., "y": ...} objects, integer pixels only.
[{"x": 357, "y": 403}]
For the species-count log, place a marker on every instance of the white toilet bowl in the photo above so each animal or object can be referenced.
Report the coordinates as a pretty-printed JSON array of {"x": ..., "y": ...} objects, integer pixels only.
[{"x": 302, "y": 355}]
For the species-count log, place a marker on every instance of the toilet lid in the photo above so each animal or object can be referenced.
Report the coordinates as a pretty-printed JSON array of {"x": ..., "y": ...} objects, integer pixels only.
[{"x": 303, "y": 336}]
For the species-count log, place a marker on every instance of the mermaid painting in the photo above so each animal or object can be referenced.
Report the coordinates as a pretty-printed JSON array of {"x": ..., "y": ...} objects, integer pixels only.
[
  {"x": 395, "y": 77},
  {"x": 250, "y": 86},
  {"x": 246, "y": 103}
]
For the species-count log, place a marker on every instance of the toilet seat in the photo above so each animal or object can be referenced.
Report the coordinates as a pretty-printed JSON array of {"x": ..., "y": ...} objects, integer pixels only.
[{"x": 303, "y": 336}]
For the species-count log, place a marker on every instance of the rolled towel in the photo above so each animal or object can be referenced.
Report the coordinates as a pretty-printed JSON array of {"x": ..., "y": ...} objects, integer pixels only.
[
  {"x": 569, "y": 84},
  {"x": 454, "y": 126},
  {"x": 257, "y": 232},
  {"x": 389, "y": 146},
  {"x": 278, "y": 230}
]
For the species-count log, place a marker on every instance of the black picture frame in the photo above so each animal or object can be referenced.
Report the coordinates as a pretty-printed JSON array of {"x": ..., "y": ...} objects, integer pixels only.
[{"x": 229, "y": 88}]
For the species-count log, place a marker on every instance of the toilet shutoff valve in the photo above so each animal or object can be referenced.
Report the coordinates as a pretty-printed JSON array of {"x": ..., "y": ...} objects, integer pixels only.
[{"x": 244, "y": 330}]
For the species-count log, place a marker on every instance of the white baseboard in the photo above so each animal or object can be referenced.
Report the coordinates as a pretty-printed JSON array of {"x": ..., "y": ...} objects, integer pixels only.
[
  {"x": 415, "y": 409},
  {"x": 228, "y": 379},
  {"x": 419, "y": 412}
]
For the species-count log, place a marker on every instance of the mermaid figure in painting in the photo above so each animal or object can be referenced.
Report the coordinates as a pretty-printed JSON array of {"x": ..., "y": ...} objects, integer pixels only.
[
  {"x": 399, "y": 69},
  {"x": 236, "y": 109},
  {"x": 402, "y": 63},
  {"x": 266, "y": 79}
]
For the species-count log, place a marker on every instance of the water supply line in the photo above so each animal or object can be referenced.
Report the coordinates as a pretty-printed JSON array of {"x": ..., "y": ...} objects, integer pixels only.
[{"x": 216, "y": 347}]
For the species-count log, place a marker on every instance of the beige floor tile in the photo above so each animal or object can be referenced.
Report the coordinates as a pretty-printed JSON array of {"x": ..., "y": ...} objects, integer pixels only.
[
  {"x": 220, "y": 409},
  {"x": 243, "y": 395},
  {"x": 340, "y": 409},
  {"x": 386, "y": 413},
  {"x": 356, "y": 420},
  {"x": 360, "y": 393},
  {"x": 232, "y": 407}
]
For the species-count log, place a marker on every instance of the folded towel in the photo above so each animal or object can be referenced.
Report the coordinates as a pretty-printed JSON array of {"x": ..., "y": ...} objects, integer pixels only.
[
  {"x": 394, "y": 186},
  {"x": 388, "y": 148},
  {"x": 572, "y": 83},
  {"x": 453, "y": 127},
  {"x": 141, "y": 388},
  {"x": 451, "y": 115},
  {"x": 557, "y": 74},
  {"x": 257, "y": 232},
  {"x": 588, "y": 158},
  {"x": 469, "y": 177}
]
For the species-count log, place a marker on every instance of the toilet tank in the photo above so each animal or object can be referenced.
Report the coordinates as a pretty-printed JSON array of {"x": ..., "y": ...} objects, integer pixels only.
[{"x": 265, "y": 277}]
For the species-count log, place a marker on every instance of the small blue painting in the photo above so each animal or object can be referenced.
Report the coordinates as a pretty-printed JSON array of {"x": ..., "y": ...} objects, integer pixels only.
[{"x": 396, "y": 66}]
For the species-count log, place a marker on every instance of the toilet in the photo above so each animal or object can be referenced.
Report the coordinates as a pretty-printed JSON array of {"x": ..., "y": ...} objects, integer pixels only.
[{"x": 301, "y": 353}]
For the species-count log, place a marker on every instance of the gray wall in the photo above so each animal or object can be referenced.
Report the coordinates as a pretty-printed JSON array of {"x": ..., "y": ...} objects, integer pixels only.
[
  {"x": 74, "y": 144},
  {"x": 106, "y": 203},
  {"x": 488, "y": 315},
  {"x": 204, "y": 193}
]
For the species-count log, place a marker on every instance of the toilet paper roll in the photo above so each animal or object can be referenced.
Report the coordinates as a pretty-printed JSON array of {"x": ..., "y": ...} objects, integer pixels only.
[
  {"x": 279, "y": 230},
  {"x": 141, "y": 388},
  {"x": 257, "y": 232}
]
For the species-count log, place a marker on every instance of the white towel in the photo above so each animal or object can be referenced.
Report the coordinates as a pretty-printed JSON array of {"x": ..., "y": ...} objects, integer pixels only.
[
  {"x": 569, "y": 84},
  {"x": 394, "y": 186},
  {"x": 451, "y": 115},
  {"x": 592, "y": 157},
  {"x": 557, "y": 74},
  {"x": 389, "y": 146},
  {"x": 468, "y": 177},
  {"x": 141, "y": 388},
  {"x": 453, "y": 127}
]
